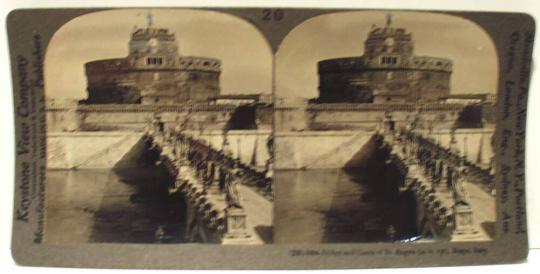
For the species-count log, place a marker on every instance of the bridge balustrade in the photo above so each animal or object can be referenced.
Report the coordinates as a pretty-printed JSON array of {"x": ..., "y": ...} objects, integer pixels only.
[
  {"x": 448, "y": 159},
  {"x": 209, "y": 169},
  {"x": 428, "y": 168},
  {"x": 213, "y": 166}
]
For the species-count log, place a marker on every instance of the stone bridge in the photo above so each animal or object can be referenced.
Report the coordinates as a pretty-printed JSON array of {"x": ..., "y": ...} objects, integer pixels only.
[
  {"x": 455, "y": 197},
  {"x": 228, "y": 201}
]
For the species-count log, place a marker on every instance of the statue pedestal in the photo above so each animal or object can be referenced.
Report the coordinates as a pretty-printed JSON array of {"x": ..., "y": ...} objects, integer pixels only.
[
  {"x": 236, "y": 227},
  {"x": 213, "y": 189},
  {"x": 441, "y": 187},
  {"x": 463, "y": 224}
]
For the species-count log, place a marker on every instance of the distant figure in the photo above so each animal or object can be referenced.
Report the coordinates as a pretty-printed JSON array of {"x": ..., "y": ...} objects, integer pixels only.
[
  {"x": 222, "y": 177},
  {"x": 161, "y": 126},
  {"x": 211, "y": 173},
  {"x": 160, "y": 234}
]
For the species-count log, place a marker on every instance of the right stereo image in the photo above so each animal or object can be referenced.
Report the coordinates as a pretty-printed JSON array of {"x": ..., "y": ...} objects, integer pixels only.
[{"x": 384, "y": 129}]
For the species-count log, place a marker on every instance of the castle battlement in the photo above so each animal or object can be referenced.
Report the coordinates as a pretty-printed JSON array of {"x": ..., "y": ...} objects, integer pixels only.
[
  {"x": 146, "y": 34},
  {"x": 199, "y": 63},
  {"x": 184, "y": 63},
  {"x": 431, "y": 63},
  {"x": 352, "y": 64},
  {"x": 107, "y": 65},
  {"x": 385, "y": 107},
  {"x": 383, "y": 33}
]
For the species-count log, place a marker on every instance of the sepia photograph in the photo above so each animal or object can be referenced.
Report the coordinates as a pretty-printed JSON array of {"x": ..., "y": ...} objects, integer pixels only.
[
  {"x": 158, "y": 129},
  {"x": 269, "y": 137},
  {"x": 384, "y": 129}
]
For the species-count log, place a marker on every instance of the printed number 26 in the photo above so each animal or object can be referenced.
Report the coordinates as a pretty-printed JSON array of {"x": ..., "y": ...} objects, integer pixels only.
[{"x": 273, "y": 14}]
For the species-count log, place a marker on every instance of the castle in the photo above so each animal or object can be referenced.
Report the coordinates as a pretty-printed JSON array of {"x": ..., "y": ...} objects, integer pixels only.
[
  {"x": 126, "y": 93},
  {"x": 354, "y": 92},
  {"x": 152, "y": 73},
  {"x": 359, "y": 92},
  {"x": 388, "y": 72}
]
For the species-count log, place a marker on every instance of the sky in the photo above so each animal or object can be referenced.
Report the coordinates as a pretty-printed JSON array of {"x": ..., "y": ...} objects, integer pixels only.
[
  {"x": 343, "y": 35},
  {"x": 245, "y": 55}
]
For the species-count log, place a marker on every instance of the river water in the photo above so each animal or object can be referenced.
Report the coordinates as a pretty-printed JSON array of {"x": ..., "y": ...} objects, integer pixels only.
[
  {"x": 105, "y": 206},
  {"x": 132, "y": 206},
  {"x": 331, "y": 206}
]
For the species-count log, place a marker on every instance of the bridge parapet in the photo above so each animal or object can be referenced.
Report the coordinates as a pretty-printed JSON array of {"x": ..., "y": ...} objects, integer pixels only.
[
  {"x": 439, "y": 211},
  {"x": 208, "y": 179},
  {"x": 436, "y": 175},
  {"x": 437, "y": 157}
]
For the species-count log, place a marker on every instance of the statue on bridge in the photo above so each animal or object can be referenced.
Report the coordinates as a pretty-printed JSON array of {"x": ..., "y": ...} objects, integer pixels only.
[
  {"x": 460, "y": 194},
  {"x": 156, "y": 125},
  {"x": 416, "y": 120},
  {"x": 232, "y": 196},
  {"x": 464, "y": 226},
  {"x": 388, "y": 124}
]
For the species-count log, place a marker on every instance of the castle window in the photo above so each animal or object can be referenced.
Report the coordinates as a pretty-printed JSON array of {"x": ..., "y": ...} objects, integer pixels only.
[
  {"x": 154, "y": 61},
  {"x": 388, "y": 60}
]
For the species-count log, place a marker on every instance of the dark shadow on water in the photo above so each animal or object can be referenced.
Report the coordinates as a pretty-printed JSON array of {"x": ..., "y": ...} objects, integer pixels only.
[
  {"x": 385, "y": 213},
  {"x": 360, "y": 203},
  {"x": 361, "y": 161},
  {"x": 137, "y": 208},
  {"x": 357, "y": 218},
  {"x": 489, "y": 228},
  {"x": 139, "y": 155},
  {"x": 328, "y": 206},
  {"x": 266, "y": 233}
]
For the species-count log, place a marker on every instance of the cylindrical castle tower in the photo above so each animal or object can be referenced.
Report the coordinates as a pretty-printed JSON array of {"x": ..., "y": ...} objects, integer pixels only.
[
  {"x": 387, "y": 72},
  {"x": 152, "y": 73}
]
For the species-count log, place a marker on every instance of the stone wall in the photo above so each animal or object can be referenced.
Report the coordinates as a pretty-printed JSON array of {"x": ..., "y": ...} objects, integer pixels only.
[
  {"x": 334, "y": 149},
  {"x": 87, "y": 150},
  {"x": 152, "y": 87},
  {"x": 317, "y": 149},
  {"x": 112, "y": 120},
  {"x": 363, "y": 116},
  {"x": 383, "y": 86},
  {"x": 63, "y": 119},
  {"x": 83, "y": 150},
  {"x": 136, "y": 117}
]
